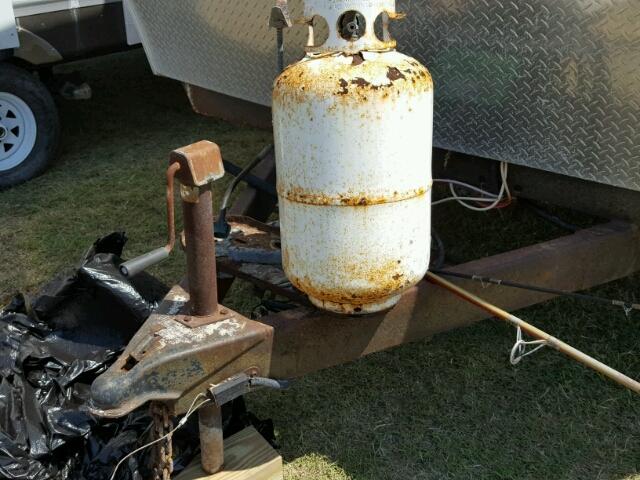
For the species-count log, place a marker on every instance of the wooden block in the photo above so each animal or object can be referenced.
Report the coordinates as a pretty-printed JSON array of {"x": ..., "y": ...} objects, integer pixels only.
[{"x": 247, "y": 456}]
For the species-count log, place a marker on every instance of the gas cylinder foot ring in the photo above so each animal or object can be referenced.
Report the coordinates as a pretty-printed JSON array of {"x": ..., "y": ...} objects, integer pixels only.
[{"x": 356, "y": 309}]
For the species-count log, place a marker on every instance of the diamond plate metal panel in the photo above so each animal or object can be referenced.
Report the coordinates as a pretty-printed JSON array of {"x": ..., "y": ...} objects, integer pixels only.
[
  {"x": 551, "y": 84},
  {"x": 221, "y": 45}
]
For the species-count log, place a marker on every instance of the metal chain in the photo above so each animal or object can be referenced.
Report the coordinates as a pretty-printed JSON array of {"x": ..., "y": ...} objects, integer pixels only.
[{"x": 162, "y": 456}]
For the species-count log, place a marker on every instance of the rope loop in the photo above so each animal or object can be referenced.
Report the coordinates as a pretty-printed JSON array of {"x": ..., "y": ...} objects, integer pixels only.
[{"x": 519, "y": 350}]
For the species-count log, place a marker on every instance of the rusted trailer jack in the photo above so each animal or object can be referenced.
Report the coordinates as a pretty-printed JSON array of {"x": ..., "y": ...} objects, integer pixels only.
[
  {"x": 191, "y": 342},
  {"x": 191, "y": 346}
]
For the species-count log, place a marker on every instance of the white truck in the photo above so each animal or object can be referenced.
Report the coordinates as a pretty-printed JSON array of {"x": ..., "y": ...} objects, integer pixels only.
[{"x": 34, "y": 36}]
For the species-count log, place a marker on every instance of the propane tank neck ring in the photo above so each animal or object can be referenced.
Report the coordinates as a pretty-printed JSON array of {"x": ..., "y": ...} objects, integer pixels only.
[{"x": 351, "y": 25}]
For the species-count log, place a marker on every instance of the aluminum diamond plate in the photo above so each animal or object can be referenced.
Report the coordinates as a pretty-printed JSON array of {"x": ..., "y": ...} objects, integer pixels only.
[
  {"x": 551, "y": 84},
  {"x": 221, "y": 45}
]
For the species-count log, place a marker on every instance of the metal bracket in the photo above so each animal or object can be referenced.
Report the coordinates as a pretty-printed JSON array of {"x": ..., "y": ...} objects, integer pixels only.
[
  {"x": 280, "y": 17},
  {"x": 200, "y": 163},
  {"x": 231, "y": 389}
]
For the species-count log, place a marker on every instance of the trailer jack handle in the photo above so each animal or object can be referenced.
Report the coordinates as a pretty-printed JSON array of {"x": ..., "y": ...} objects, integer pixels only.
[
  {"x": 195, "y": 166},
  {"x": 136, "y": 265}
]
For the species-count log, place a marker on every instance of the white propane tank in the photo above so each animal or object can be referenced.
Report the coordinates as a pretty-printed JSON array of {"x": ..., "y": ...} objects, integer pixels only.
[{"x": 353, "y": 125}]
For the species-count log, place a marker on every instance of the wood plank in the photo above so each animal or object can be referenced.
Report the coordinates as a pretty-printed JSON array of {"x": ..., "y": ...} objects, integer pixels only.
[{"x": 247, "y": 456}]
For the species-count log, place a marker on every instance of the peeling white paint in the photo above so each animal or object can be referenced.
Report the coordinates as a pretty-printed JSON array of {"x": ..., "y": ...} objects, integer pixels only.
[{"x": 175, "y": 333}]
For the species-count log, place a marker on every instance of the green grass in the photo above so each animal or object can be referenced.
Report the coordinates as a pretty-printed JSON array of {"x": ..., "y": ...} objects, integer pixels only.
[
  {"x": 451, "y": 407},
  {"x": 110, "y": 173}
]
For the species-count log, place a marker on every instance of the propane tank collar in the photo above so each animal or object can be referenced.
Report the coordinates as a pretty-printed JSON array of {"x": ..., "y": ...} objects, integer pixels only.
[{"x": 351, "y": 25}]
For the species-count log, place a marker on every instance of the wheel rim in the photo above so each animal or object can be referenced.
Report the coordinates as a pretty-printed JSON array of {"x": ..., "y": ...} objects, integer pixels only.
[{"x": 17, "y": 131}]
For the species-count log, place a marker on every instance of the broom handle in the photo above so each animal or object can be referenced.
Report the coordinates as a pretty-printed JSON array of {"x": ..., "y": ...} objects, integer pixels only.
[{"x": 532, "y": 331}]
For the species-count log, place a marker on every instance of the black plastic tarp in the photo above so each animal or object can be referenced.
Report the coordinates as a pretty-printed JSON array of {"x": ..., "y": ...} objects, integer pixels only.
[{"x": 51, "y": 350}]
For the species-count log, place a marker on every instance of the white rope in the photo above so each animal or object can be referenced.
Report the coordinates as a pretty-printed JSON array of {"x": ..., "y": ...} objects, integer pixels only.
[
  {"x": 519, "y": 350},
  {"x": 182, "y": 421}
]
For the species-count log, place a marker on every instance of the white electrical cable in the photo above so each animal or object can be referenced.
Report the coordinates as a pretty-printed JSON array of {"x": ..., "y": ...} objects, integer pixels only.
[
  {"x": 490, "y": 197},
  {"x": 466, "y": 199},
  {"x": 465, "y": 185},
  {"x": 182, "y": 421},
  {"x": 504, "y": 168}
]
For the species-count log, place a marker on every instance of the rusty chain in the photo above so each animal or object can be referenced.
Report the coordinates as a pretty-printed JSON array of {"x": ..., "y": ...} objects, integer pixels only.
[
  {"x": 162, "y": 456},
  {"x": 162, "y": 429}
]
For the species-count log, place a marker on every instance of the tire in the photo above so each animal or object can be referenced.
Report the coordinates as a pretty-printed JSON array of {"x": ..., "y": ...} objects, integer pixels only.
[{"x": 29, "y": 126}]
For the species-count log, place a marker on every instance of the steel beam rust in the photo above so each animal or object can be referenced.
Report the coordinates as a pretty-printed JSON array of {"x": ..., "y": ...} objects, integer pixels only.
[
  {"x": 307, "y": 340},
  {"x": 200, "y": 164},
  {"x": 201, "y": 254}
]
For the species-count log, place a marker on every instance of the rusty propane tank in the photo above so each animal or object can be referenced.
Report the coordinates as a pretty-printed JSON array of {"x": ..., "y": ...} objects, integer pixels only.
[{"x": 353, "y": 134}]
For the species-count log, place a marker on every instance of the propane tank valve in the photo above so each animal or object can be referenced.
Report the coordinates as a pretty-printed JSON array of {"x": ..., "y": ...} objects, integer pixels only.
[{"x": 353, "y": 25}]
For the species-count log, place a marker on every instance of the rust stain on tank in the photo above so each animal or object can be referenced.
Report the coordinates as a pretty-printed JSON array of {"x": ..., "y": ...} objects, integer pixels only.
[
  {"x": 350, "y": 81},
  {"x": 348, "y": 199},
  {"x": 393, "y": 74},
  {"x": 362, "y": 83},
  {"x": 343, "y": 85},
  {"x": 383, "y": 280},
  {"x": 357, "y": 59}
]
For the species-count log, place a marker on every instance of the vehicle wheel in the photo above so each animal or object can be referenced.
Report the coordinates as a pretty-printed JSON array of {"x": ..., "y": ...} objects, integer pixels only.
[{"x": 29, "y": 126}]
